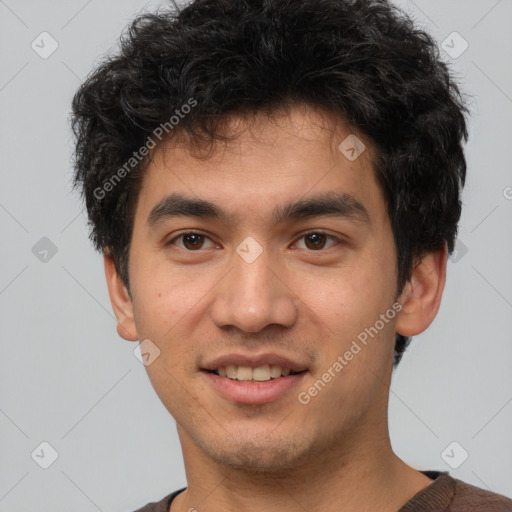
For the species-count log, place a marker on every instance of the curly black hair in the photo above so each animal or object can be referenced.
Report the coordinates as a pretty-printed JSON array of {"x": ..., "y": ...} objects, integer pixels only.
[{"x": 362, "y": 59}]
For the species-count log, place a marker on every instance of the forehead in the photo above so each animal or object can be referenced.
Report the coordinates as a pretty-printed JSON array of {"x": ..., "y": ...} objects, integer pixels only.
[{"x": 294, "y": 154}]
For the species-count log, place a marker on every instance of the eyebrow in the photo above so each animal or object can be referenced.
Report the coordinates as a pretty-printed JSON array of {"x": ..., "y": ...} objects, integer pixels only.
[{"x": 327, "y": 204}]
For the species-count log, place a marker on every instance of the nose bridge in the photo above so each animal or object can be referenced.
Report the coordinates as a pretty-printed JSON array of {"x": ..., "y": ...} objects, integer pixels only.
[{"x": 252, "y": 296}]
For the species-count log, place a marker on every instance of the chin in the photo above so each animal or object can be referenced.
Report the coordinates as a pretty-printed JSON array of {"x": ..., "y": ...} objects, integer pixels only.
[{"x": 263, "y": 454}]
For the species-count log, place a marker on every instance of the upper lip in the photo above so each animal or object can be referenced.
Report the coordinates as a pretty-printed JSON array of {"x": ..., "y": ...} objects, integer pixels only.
[{"x": 253, "y": 361}]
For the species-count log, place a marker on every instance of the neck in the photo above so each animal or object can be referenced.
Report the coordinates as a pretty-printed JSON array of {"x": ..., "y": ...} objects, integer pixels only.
[{"x": 351, "y": 477}]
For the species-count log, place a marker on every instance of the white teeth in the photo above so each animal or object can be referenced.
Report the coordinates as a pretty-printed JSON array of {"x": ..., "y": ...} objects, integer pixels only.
[
  {"x": 244, "y": 373},
  {"x": 260, "y": 373},
  {"x": 275, "y": 371}
]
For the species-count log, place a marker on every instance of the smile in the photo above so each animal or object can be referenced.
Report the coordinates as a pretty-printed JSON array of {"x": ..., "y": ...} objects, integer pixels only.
[
  {"x": 261, "y": 373},
  {"x": 252, "y": 391}
]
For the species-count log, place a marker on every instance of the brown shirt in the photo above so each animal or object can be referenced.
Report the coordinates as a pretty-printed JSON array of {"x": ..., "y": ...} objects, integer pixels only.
[{"x": 444, "y": 494}]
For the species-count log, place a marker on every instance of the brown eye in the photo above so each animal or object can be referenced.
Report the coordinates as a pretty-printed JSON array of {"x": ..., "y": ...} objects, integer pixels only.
[
  {"x": 190, "y": 241},
  {"x": 193, "y": 241},
  {"x": 316, "y": 241}
]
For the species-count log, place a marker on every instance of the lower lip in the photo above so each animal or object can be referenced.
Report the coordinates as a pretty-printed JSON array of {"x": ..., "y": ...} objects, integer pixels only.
[{"x": 253, "y": 392}]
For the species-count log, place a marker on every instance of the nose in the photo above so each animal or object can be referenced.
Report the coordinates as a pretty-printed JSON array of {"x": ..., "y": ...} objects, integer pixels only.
[{"x": 253, "y": 296}]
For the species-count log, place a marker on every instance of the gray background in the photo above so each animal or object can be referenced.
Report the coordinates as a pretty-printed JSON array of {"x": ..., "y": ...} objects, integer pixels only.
[{"x": 67, "y": 378}]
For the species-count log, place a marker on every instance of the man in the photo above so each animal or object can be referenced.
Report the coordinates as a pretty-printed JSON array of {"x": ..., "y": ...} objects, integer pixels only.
[{"x": 275, "y": 187}]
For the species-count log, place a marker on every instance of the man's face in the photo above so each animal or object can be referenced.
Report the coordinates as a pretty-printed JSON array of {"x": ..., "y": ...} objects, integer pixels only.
[{"x": 247, "y": 292}]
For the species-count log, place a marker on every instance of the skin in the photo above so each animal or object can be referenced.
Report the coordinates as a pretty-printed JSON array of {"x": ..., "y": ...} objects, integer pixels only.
[{"x": 333, "y": 453}]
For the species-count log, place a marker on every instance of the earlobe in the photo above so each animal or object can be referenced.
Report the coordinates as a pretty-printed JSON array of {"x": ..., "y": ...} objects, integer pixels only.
[
  {"x": 422, "y": 295},
  {"x": 120, "y": 300}
]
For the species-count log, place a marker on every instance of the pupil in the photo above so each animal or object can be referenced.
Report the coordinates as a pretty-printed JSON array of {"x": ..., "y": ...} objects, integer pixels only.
[
  {"x": 317, "y": 238},
  {"x": 195, "y": 243}
]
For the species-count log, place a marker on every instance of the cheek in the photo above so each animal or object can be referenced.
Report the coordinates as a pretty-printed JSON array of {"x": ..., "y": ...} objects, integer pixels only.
[
  {"x": 163, "y": 297},
  {"x": 165, "y": 313},
  {"x": 349, "y": 301},
  {"x": 350, "y": 308}
]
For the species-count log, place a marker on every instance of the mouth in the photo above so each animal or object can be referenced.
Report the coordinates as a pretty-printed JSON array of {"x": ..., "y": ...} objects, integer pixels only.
[
  {"x": 263, "y": 373},
  {"x": 253, "y": 381}
]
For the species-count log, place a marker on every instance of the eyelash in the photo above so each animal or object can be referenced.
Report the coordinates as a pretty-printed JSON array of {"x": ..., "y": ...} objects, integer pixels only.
[{"x": 332, "y": 237}]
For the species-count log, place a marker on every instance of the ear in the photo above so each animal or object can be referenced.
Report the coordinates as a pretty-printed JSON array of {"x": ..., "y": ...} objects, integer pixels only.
[
  {"x": 121, "y": 301},
  {"x": 421, "y": 296}
]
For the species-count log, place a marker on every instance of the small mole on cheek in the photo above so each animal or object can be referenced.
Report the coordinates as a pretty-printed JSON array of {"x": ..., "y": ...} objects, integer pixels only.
[{"x": 313, "y": 355}]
